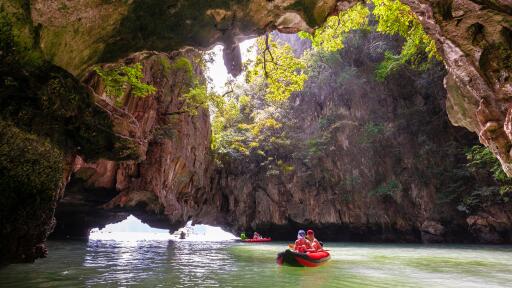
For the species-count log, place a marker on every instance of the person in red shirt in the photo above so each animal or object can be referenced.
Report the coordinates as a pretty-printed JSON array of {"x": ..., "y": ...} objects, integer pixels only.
[
  {"x": 302, "y": 244},
  {"x": 315, "y": 244},
  {"x": 256, "y": 235}
]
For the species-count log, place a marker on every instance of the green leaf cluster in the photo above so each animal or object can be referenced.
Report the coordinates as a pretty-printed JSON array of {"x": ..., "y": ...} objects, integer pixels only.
[
  {"x": 388, "y": 189},
  {"x": 396, "y": 18},
  {"x": 393, "y": 18},
  {"x": 485, "y": 166},
  {"x": 330, "y": 36},
  {"x": 371, "y": 131},
  {"x": 246, "y": 125},
  {"x": 197, "y": 97},
  {"x": 120, "y": 80},
  {"x": 480, "y": 157},
  {"x": 277, "y": 66}
]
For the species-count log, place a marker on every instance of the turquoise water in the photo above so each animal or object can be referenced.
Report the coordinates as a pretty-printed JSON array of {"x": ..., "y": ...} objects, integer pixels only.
[{"x": 101, "y": 263}]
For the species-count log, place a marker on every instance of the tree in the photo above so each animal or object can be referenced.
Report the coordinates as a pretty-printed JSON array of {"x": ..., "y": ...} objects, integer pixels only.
[
  {"x": 276, "y": 66},
  {"x": 330, "y": 36},
  {"x": 396, "y": 18}
]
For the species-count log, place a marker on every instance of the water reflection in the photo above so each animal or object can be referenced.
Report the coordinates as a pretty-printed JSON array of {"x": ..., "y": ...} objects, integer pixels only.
[
  {"x": 157, "y": 263},
  {"x": 200, "y": 263},
  {"x": 124, "y": 262},
  {"x": 181, "y": 264}
]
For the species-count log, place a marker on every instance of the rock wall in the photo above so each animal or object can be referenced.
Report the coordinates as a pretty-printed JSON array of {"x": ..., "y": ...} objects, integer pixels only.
[
  {"x": 373, "y": 161},
  {"x": 475, "y": 41},
  {"x": 46, "y": 118},
  {"x": 76, "y": 34},
  {"x": 473, "y": 37},
  {"x": 168, "y": 185},
  {"x": 45, "y": 105}
]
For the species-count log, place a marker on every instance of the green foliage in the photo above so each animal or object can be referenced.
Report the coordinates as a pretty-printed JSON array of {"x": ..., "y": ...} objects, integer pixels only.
[
  {"x": 29, "y": 164},
  {"x": 183, "y": 64},
  {"x": 166, "y": 65},
  {"x": 197, "y": 97},
  {"x": 246, "y": 125},
  {"x": 480, "y": 157},
  {"x": 330, "y": 36},
  {"x": 278, "y": 68},
  {"x": 492, "y": 186},
  {"x": 479, "y": 198},
  {"x": 285, "y": 167},
  {"x": 316, "y": 146},
  {"x": 225, "y": 118},
  {"x": 326, "y": 121},
  {"x": 395, "y": 18},
  {"x": 120, "y": 80},
  {"x": 16, "y": 43},
  {"x": 371, "y": 131},
  {"x": 165, "y": 132},
  {"x": 390, "y": 64},
  {"x": 388, "y": 189}
]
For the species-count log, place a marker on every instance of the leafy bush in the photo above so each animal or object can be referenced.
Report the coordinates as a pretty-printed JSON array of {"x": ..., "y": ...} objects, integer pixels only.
[
  {"x": 183, "y": 64},
  {"x": 482, "y": 161},
  {"x": 370, "y": 132},
  {"x": 388, "y": 189},
  {"x": 395, "y": 18},
  {"x": 480, "y": 157},
  {"x": 330, "y": 36},
  {"x": 281, "y": 72},
  {"x": 197, "y": 97},
  {"x": 121, "y": 79}
]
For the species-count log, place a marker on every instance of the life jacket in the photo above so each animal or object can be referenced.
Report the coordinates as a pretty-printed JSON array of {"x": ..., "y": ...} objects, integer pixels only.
[
  {"x": 315, "y": 245},
  {"x": 302, "y": 245}
]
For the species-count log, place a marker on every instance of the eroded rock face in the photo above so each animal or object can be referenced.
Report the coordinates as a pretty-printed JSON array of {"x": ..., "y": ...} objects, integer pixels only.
[
  {"x": 492, "y": 225},
  {"x": 168, "y": 186},
  {"x": 475, "y": 41},
  {"x": 372, "y": 161},
  {"x": 76, "y": 34},
  {"x": 474, "y": 38},
  {"x": 46, "y": 118}
]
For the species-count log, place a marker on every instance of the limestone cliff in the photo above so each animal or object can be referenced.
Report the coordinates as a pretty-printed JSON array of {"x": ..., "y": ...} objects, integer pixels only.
[
  {"x": 475, "y": 40},
  {"x": 46, "y": 118},
  {"x": 372, "y": 161},
  {"x": 168, "y": 185},
  {"x": 76, "y": 34},
  {"x": 473, "y": 37},
  {"x": 45, "y": 45}
]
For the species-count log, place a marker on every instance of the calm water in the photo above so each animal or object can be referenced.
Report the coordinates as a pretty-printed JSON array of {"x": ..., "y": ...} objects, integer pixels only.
[{"x": 101, "y": 263}]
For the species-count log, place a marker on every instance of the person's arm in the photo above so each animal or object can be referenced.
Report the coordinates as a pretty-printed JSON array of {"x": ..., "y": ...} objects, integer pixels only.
[{"x": 317, "y": 246}]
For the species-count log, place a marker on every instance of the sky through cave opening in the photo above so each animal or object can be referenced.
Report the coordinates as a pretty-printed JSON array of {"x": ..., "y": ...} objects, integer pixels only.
[{"x": 132, "y": 229}]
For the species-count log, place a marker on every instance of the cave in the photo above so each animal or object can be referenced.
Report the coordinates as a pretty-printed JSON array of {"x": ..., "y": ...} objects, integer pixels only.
[{"x": 367, "y": 160}]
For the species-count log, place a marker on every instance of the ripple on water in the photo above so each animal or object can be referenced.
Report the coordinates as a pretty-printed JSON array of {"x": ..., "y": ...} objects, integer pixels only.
[{"x": 162, "y": 263}]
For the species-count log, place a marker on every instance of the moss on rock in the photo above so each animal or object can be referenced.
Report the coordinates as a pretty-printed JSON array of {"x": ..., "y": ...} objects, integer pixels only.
[{"x": 31, "y": 174}]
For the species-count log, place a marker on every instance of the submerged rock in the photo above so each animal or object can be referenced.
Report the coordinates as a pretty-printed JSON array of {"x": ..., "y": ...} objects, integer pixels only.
[{"x": 432, "y": 232}]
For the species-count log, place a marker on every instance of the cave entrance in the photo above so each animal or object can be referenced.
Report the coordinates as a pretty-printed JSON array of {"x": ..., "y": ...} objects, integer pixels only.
[
  {"x": 132, "y": 229},
  {"x": 217, "y": 72}
]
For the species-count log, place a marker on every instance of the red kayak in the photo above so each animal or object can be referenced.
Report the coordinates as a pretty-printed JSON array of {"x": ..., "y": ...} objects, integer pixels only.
[
  {"x": 308, "y": 259},
  {"x": 257, "y": 240}
]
